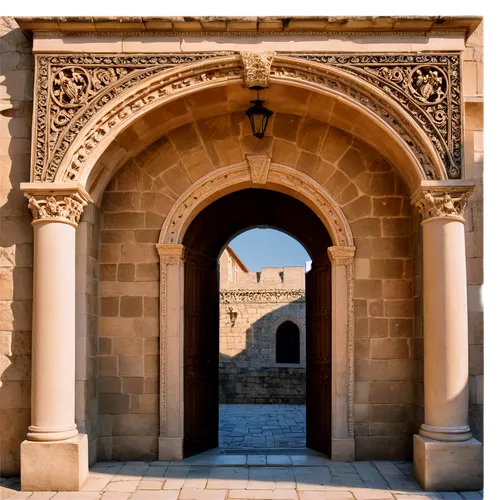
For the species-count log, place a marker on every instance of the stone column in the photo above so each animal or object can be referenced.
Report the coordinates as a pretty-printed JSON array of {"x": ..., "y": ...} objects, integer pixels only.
[
  {"x": 342, "y": 259},
  {"x": 54, "y": 457},
  {"x": 445, "y": 455},
  {"x": 171, "y": 351}
]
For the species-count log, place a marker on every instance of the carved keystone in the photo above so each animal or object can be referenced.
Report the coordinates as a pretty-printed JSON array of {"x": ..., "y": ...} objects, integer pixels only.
[
  {"x": 259, "y": 168},
  {"x": 256, "y": 68}
]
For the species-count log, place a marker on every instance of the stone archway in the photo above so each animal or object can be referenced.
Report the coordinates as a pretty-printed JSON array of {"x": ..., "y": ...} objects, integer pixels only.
[
  {"x": 259, "y": 172},
  {"x": 118, "y": 92},
  {"x": 71, "y": 137}
]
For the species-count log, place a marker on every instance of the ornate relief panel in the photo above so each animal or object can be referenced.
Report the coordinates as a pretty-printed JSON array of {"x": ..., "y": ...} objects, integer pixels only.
[
  {"x": 71, "y": 89},
  {"x": 426, "y": 85},
  {"x": 79, "y": 99}
]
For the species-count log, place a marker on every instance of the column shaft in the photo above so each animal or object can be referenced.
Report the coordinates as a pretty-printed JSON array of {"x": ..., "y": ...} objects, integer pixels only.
[
  {"x": 446, "y": 365},
  {"x": 53, "y": 382}
]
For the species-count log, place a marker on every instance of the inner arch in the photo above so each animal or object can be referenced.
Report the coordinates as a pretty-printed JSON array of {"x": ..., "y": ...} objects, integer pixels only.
[{"x": 250, "y": 208}]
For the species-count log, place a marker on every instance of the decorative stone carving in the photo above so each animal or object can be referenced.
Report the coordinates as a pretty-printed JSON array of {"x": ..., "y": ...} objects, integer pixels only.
[
  {"x": 170, "y": 255},
  {"x": 237, "y": 177},
  {"x": 442, "y": 201},
  {"x": 341, "y": 255},
  {"x": 72, "y": 90},
  {"x": 256, "y": 68},
  {"x": 278, "y": 295},
  {"x": 427, "y": 86},
  {"x": 344, "y": 256},
  {"x": 259, "y": 168},
  {"x": 66, "y": 208}
]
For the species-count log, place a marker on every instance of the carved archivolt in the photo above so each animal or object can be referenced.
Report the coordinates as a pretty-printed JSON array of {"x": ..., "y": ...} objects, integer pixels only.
[
  {"x": 236, "y": 177},
  {"x": 248, "y": 295},
  {"x": 83, "y": 101},
  {"x": 256, "y": 68}
]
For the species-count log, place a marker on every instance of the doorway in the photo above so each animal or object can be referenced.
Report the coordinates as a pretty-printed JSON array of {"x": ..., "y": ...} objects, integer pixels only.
[
  {"x": 262, "y": 338},
  {"x": 206, "y": 236}
]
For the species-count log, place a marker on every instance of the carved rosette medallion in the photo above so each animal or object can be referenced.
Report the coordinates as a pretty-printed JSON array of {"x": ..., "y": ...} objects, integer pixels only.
[
  {"x": 65, "y": 208},
  {"x": 442, "y": 202},
  {"x": 259, "y": 168},
  {"x": 257, "y": 68}
]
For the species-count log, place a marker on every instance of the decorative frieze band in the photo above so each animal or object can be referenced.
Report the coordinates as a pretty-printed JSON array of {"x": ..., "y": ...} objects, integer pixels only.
[
  {"x": 248, "y": 295},
  {"x": 440, "y": 199}
]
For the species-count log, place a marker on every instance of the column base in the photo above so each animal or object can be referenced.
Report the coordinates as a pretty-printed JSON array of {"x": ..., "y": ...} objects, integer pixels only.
[
  {"x": 448, "y": 466},
  {"x": 170, "y": 448},
  {"x": 54, "y": 466},
  {"x": 343, "y": 450}
]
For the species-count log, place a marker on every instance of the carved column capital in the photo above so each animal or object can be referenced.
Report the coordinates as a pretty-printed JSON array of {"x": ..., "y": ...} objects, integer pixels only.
[
  {"x": 341, "y": 255},
  {"x": 171, "y": 254},
  {"x": 259, "y": 168},
  {"x": 443, "y": 199},
  {"x": 58, "y": 203},
  {"x": 256, "y": 68}
]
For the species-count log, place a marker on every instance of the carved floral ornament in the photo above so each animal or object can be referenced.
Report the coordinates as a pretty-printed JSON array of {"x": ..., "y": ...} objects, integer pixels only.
[
  {"x": 81, "y": 99},
  {"x": 279, "y": 295},
  {"x": 257, "y": 68},
  {"x": 64, "y": 207},
  {"x": 439, "y": 202}
]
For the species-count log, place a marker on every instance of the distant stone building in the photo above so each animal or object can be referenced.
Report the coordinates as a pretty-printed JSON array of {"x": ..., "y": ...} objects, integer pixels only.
[{"x": 262, "y": 333}]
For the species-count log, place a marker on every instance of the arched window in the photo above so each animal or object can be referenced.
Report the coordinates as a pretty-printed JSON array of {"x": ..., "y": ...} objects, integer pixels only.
[{"x": 288, "y": 343}]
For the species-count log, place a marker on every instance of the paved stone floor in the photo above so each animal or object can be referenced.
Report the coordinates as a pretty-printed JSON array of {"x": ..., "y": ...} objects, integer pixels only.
[
  {"x": 262, "y": 426},
  {"x": 215, "y": 476}
]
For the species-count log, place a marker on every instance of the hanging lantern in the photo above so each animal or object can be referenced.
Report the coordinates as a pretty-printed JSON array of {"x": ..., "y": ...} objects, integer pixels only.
[{"x": 258, "y": 115}]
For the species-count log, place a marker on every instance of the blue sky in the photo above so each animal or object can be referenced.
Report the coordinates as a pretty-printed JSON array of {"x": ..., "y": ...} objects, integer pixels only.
[{"x": 259, "y": 248}]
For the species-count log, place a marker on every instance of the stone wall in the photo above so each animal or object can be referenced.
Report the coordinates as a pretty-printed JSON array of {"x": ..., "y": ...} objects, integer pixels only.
[
  {"x": 474, "y": 159},
  {"x": 137, "y": 200},
  {"x": 252, "y": 306},
  {"x": 16, "y": 242}
]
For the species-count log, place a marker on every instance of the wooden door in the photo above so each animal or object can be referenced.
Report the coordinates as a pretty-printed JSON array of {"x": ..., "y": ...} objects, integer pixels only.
[
  {"x": 319, "y": 356},
  {"x": 201, "y": 354}
]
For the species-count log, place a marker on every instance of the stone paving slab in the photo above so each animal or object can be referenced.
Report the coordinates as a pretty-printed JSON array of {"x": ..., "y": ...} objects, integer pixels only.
[
  {"x": 245, "y": 477},
  {"x": 262, "y": 426}
]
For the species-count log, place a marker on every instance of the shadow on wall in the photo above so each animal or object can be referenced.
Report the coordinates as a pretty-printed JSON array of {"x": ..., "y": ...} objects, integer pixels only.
[
  {"x": 252, "y": 376},
  {"x": 16, "y": 242}
]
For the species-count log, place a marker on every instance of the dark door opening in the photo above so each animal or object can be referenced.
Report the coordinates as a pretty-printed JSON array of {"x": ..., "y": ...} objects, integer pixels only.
[{"x": 206, "y": 236}]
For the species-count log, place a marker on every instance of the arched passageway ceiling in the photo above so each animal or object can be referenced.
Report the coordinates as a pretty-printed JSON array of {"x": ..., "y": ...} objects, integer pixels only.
[
  {"x": 71, "y": 136},
  {"x": 252, "y": 208}
]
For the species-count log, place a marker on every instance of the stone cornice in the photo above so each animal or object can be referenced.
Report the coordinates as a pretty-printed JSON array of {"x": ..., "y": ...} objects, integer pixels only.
[{"x": 236, "y": 26}]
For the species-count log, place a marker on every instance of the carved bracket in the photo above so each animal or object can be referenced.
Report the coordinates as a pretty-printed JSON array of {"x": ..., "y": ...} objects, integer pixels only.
[
  {"x": 257, "y": 68},
  {"x": 259, "y": 168}
]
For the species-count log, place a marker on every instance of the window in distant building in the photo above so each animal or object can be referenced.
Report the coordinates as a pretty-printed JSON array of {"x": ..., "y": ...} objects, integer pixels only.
[{"x": 288, "y": 343}]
